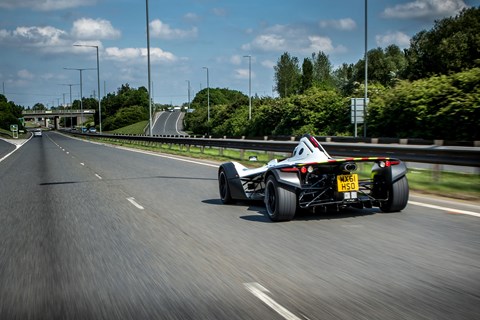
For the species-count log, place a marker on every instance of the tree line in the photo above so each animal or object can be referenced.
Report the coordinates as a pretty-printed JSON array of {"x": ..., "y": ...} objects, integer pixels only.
[{"x": 429, "y": 90}]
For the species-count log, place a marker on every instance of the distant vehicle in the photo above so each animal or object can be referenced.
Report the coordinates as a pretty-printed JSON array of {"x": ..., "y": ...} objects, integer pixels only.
[
  {"x": 37, "y": 132},
  {"x": 92, "y": 130},
  {"x": 312, "y": 178}
]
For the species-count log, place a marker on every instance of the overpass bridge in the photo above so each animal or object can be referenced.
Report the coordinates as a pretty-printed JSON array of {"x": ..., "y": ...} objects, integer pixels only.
[{"x": 57, "y": 114}]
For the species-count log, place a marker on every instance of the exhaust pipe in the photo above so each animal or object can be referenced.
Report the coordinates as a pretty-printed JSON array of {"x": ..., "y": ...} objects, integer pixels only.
[{"x": 349, "y": 166}]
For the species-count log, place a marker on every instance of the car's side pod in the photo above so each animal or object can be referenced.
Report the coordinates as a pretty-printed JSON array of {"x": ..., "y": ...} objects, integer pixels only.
[{"x": 234, "y": 183}]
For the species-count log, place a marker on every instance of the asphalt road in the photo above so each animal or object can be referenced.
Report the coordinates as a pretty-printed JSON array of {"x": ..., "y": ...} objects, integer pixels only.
[
  {"x": 94, "y": 232},
  {"x": 5, "y": 148},
  {"x": 168, "y": 123}
]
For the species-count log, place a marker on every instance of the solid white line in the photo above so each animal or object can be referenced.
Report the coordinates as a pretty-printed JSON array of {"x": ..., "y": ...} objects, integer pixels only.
[
  {"x": 259, "y": 291},
  {"x": 98, "y": 176},
  {"x": 431, "y": 206},
  {"x": 167, "y": 157},
  {"x": 132, "y": 201}
]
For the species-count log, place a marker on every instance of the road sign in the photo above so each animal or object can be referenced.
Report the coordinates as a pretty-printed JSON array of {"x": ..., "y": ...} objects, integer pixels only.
[
  {"x": 14, "y": 129},
  {"x": 357, "y": 111}
]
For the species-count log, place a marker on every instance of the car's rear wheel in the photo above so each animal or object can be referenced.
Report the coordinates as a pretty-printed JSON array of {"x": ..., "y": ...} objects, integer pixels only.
[
  {"x": 397, "y": 196},
  {"x": 224, "y": 188},
  {"x": 281, "y": 204}
]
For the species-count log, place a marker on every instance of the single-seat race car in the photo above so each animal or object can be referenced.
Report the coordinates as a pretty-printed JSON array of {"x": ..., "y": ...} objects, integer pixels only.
[{"x": 311, "y": 178}]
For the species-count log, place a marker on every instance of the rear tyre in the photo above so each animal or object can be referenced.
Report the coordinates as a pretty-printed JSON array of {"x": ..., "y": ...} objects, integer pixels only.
[
  {"x": 224, "y": 188},
  {"x": 397, "y": 196},
  {"x": 281, "y": 204}
]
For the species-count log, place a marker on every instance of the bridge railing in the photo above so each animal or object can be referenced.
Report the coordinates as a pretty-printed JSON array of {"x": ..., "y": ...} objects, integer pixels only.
[
  {"x": 55, "y": 112},
  {"x": 433, "y": 154}
]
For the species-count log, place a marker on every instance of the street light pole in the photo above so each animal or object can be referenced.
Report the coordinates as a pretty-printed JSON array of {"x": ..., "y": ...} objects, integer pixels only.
[
  {"x": 249, "y": 86},
  {"x": 70, "y": 85},
  {"x": 365, "y": 98},
  {"x": 81, "y": 88},
  {"x": 149, "y": 73},
  {"x": 188, "y": 81},
  {"x": 98, "y": 83},
  {"x": 208, "y": 96}
]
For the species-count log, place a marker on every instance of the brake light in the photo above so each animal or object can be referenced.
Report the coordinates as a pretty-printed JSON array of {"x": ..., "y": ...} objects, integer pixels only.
[
  {"x": 388, "y": 163},
  {"x": 289, "y": 169}
]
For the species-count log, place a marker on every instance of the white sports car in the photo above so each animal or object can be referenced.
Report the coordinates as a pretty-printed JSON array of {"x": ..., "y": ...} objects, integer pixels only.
[{"x": 311, "y": 178}]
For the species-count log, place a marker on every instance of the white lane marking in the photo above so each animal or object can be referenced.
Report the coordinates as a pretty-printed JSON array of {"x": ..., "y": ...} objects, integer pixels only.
[
  {"x": 8, "y": 154},
  {"x": 17, "y": 144},
  {"x": 132, "y": 201},
  {"x": 98, "y": 176},
  {"x": 168, "y": 157},
  {"x": 259, "y": 291},
  {"x": 432, "y": 206},
  {"x": 82, "y": 163}
]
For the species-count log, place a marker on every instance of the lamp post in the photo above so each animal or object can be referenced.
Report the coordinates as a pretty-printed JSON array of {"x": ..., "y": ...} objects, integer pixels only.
[
  {"x": 70, "y": 85},
  {"x": 208, "y": 96},
  {"x": 188, "y": 81},
  {"x": 149, "y": 73},
  {"x": 98, "y": 83},
  {"x": 249, "y": 86},
  {"x": 365, "y": 98},
  {"x": 81, "y": 88}
]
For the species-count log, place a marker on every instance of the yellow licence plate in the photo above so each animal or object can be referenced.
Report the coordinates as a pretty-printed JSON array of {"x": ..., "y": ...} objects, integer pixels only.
[{"x": 347, "y": 182}]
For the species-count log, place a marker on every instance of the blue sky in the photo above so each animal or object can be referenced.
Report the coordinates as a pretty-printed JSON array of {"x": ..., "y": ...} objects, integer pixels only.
[{"x": 37, "y": 40}]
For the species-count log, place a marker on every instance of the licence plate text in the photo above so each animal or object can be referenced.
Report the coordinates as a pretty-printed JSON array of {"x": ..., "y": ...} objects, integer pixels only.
[{"x": 347, "y": 182}]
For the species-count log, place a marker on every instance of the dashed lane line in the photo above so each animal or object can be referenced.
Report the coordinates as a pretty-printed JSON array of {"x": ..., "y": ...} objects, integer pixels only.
[
  {"x": 260, "y": 292},
  {"x": 135, "y": 203}
]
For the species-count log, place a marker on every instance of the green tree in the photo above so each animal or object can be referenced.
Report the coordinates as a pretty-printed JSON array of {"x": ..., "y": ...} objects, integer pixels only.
[
  {"x": 452, "y": 45},
  {"x": 384, "y": 66},
  {"x": 287, "y": 75},
  {"x": 322, "y": 70},
  {"x": 10, "y": 113},
  {"x": 307, "y": 75}
]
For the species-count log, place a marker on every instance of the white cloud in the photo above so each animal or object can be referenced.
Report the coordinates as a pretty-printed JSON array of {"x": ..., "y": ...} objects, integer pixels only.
[
  {"x": 266, "y": 42},
  {"x": 268, "y": 64},
  {"x": 318, "y": 43},
  {"x": 219, "y": 12},
  {"x": 280, "y": 38},
  {"x": 164, "y": 31},
  {"x": 236, "y": 59},
  {"x": 25, "y": 75},
  {"x": 398, "y": 38},
  {"x": 45, "y": 5},
  {"x": 135, "y": 54},
  {"x": 90, "y": 29},
  {"x": 243, "y": 74},
  {"x": 425, "y": 8},
  {"x": 346, "y": 24},
  {"x": 42, "y": 37},
  {"x": 191, "y": 17}
]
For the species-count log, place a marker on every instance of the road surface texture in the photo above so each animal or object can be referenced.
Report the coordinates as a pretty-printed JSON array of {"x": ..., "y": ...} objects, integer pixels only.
[
  {"x": 168, "y": 123},
  {"x": 89, "y": 231}
]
